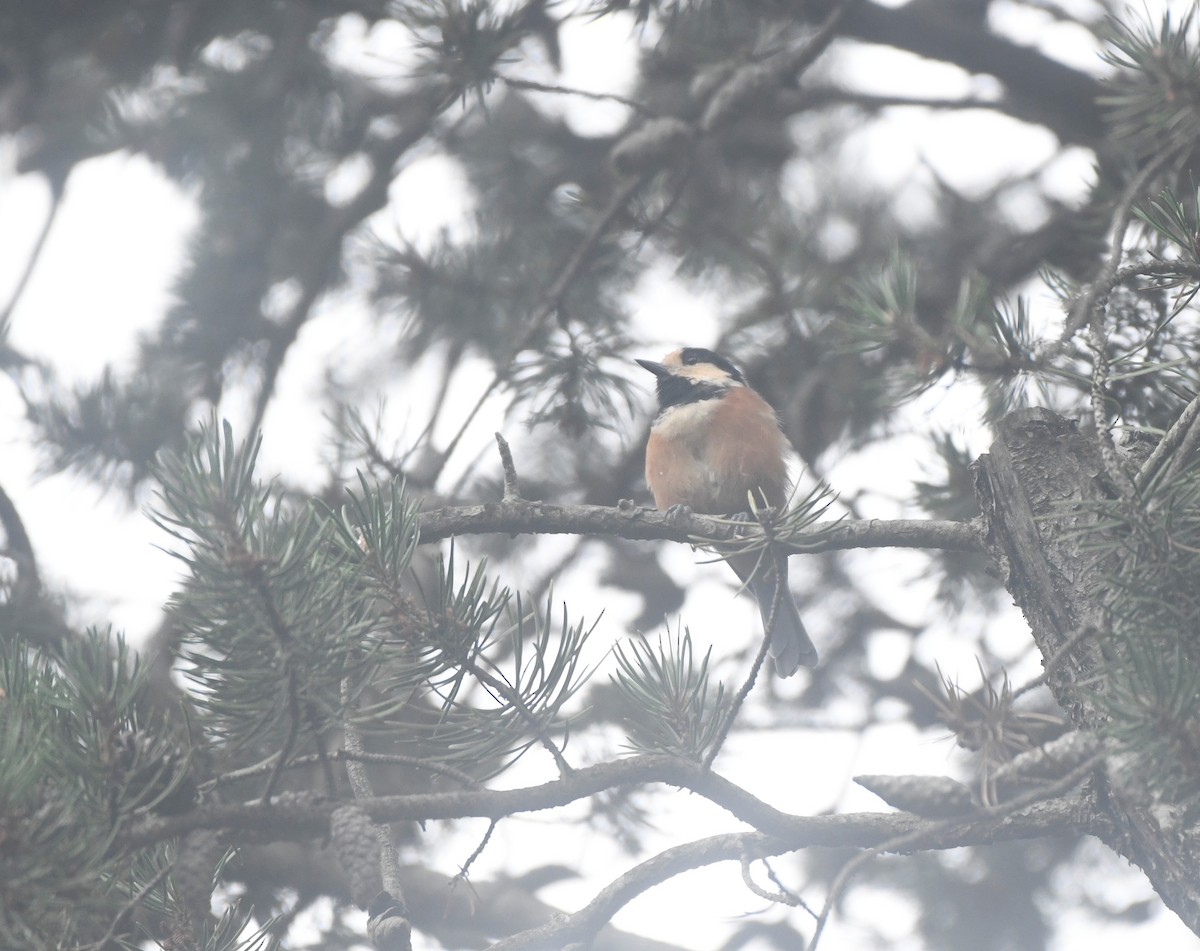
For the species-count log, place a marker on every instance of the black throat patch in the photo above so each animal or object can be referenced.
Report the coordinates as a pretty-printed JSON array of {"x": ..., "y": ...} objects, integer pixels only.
[{"x": 678, "y": 390}]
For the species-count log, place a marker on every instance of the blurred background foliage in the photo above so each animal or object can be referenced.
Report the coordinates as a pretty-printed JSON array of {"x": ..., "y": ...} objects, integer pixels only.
[{"x": 848, "y": 296}]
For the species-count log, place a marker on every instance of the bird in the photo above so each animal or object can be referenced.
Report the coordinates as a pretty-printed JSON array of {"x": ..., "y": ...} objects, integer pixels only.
[{"x": 714, "y": 444}]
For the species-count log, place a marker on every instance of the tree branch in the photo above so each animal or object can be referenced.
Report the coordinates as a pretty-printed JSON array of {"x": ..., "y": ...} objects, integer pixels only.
[
  {"x": 1166, "y": 454},
  {"x": 631, "y": 522},
  {"x": 468, "y": 917},
  {"x": 18, "y": 546},
  {"x": 529, "y": 85},
  {"x": 360, "y": 782},
  {"x": 1047, "y": 818},
  {"x": 1042, "y": 489},
  {"x": 1093, "y": 300},
  {"x": 551, "y": 301},
  {"x": 1040, "y": 89},
  {"x": 776, "y": 832},
  {"x": 326, "y": 243},
  {"x": 292, "y": 816}
]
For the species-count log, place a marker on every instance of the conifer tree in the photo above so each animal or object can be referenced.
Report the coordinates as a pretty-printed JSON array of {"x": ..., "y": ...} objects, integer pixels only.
[{"x": 346, "y": 678}]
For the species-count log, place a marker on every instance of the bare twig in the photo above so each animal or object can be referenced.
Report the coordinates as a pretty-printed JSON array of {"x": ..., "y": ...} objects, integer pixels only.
[
  {"x": 465, "y": 869},
  {"x": 1172, "y": 270},
  {"x": 747, "y": 82},
  {"x": 1113, "y": 465},
  {"x": 1089, "y": 309},
  {"x": 780, "y": 897},
  {"x": 800, "y": 59},
  {"x": 571, "y": 91},
  {"x": 743, "y": 692},
  {"x": 780, "y": 567},
  {"x": 806, "y": 99},
  {"x": 800, "y": 902},
  {"x": 57, "y": 184},
  {"x": 512, "y": 491}
]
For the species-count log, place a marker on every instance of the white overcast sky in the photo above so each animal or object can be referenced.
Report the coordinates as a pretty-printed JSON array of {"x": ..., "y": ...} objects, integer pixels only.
[{"x": 105, "y": 277}]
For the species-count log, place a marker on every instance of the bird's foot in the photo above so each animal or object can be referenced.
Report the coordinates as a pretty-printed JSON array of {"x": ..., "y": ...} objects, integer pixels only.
[
  {"x": 678, "y": 515},
  {"x": 743, "y": 518}
]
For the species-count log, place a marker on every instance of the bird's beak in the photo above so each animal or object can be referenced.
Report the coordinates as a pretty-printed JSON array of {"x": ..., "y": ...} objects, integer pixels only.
[{"x": 656, "y": 368}]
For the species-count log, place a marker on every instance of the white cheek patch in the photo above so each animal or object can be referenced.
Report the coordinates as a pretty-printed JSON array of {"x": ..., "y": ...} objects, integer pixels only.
[{"x": 706, "y": 373}]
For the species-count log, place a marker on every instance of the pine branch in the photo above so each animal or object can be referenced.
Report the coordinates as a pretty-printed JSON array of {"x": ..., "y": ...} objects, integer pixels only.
[
  {"x": 628, "y": 521},
  {"x": 493, "y": 907},
  {"x": 121, "y": 919},
  {"x": 514, "y": 698},
  {"x": 1064, "y": 547},
  {"x": 343, "y": 756},
  {"x": 1048, "y": 818},
  {"x": 806, "y": 100},
  {"x": 311, "y": 273},
  {"x": 302, "y": 816},
  {"x": 1094, "y": 300},
  {"x": 551, "y": 301},
  {"x": 747, "y": 82},
  {"x": 904, "y": 843},
  {"x": 1041, "y": 89}
]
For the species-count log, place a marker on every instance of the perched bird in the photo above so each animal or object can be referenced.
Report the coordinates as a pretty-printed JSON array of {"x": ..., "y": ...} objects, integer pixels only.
[{"x": 714, "y": 442}]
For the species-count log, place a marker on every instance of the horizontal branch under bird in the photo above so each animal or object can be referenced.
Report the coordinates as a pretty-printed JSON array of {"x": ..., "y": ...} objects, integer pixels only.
[{"x": 524, "y": 517}]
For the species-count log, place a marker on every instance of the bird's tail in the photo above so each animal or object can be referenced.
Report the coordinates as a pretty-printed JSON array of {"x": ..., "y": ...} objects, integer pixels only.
[{"x": 790, "y": 646}]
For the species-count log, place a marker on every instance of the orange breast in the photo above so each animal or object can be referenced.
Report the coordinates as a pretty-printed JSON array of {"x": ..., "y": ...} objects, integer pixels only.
[{"x": 711, "y": 456}]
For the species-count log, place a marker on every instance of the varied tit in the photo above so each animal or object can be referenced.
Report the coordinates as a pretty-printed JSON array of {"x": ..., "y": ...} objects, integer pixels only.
[{"x": 713, "y": 444}]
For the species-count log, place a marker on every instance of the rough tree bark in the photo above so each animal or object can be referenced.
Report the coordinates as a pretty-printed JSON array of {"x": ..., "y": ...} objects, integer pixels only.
[{"x": 1034, "y": 486}]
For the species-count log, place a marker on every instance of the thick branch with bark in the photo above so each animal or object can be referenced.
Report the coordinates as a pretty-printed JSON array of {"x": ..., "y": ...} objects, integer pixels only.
[{"x": 1034, "y": 486}]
